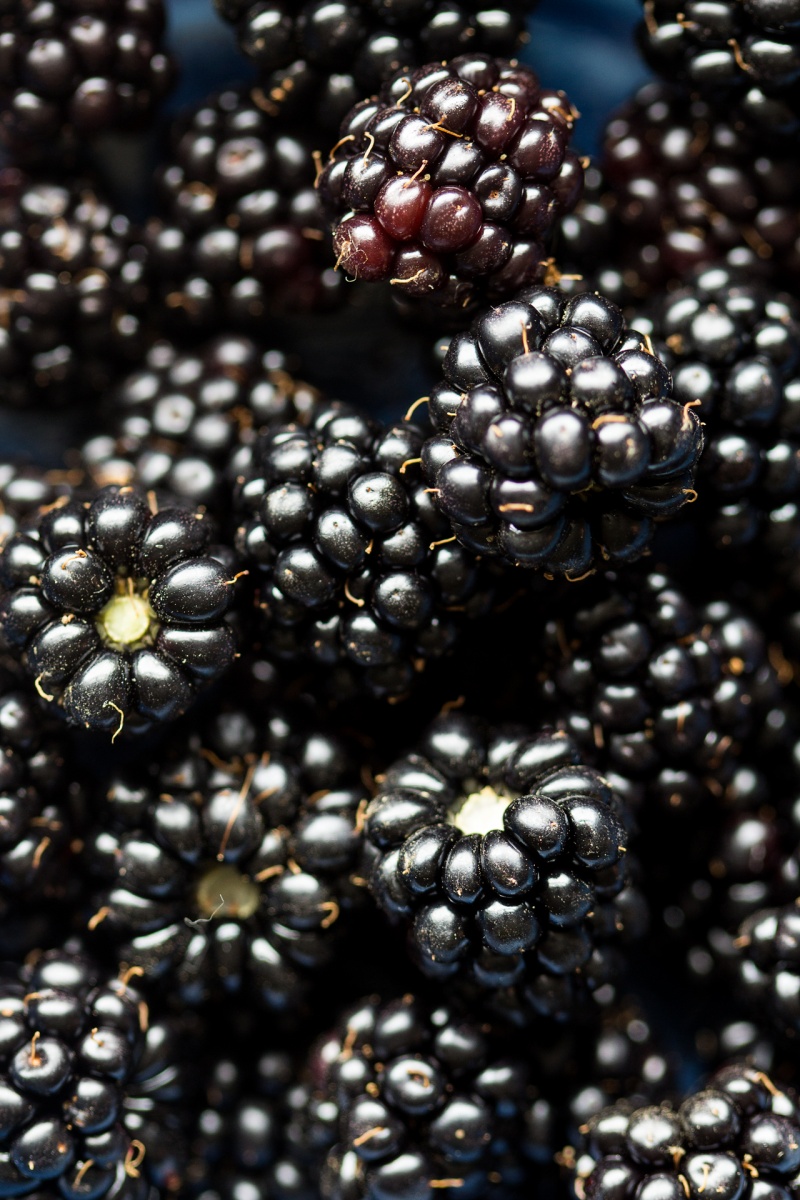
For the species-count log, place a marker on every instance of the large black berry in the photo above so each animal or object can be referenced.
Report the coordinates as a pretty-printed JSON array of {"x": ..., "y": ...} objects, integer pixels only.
[{"x": 117, "y": 609}]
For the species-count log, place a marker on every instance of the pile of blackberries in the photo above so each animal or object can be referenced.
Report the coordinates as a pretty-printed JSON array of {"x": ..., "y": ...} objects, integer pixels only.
[{"x": 399, "y": 608}]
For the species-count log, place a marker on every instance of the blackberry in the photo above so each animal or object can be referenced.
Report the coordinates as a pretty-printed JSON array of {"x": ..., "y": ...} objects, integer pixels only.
[
  {"x": 355, "y": 567},
  {"x": 72, "y": 289},
  {"x": 450, "y": 183},
  {"x": 242, "y": 1142},
  {"x": 117, "y": 611},
  {"x": 217, "y": 876},
  {"x": 559, "y": 443},
  {"x": 35, "y": 823},
  {"x": 183, "y": 421},
  {"x": 416, "y": 1100},
  {"x": 690, "y": 187},
  {"x": 241, "y": 231},
  {"x": 320, "y": 58},
  {"x": 90, "y": 1084},
  {"x": 656, "y": 688},
  {"x": 734, "y": 347},
  {"x": 739, "y": 1135},
  {"x": 505, "y": 857},
  {"x": 744, "y": 54},
  {"x": 70, "y": 69},
  {"x": 24, "y": 490}
]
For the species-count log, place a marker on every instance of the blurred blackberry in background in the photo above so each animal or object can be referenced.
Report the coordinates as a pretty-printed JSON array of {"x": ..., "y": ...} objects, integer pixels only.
[
  {"x": 70, "y": 69},
  {"x": 242, "y": 1142},
  {"x": 316, "y": 59},
  {"x": 356, "y": 571},
  {"x": 73, "y": 295},
  {"x": 416, "y": 1099},
  {"x": 241, "y": 232},
  {"x": 225, "y": 875},
  {"x": 185, "y": 420},
  {"x": 691, "y": 186},
  {"x": 559, "y": 442},
  {"x": 92, "y": 1083},
  {"x": 744, "y": 54},
  {"x": 739, "y": 1123},
  {"x": 733, "y": 346},
  {"x": 506, "y": 858},
  {"x": 653, "y": 687},
  {"x": 586, "y": 249},
  {"x": 118, "y": 610},
  {"x": 450, "y": 183},
  {"x": 24, "y": 490}
]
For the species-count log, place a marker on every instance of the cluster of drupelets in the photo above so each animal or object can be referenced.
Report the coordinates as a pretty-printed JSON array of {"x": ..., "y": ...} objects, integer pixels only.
[{"x": 376, "y": 783}]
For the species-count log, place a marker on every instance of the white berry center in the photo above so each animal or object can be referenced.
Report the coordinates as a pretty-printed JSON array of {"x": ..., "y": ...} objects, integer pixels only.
[
  {"x": 127, "y": 621},
  {"x": 479, "y": 812},
  {"x": 225, "y": 892}
]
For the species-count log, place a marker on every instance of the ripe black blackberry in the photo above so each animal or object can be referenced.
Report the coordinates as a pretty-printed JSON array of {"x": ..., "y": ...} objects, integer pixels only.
[
  {"x": 225, "y": 874},
  {"x": 317, "y": 59},
  {"x": 734, "y": 346},
  {"x": 75, "y": 68},
  {"x": 691, "y": 186},
  {"x": 505, "y": 857},
  {"x": 118, "y": 611},
  {"x": 744, "y": 54},
  {"x": 242, "y": 1140},
  {"x": 241, "y": 232},
  {"x": 654, "y": 687},
  {"x": 559, "y": 442},
  {"x": 72, "y": 289},
  {"x": 35, "y": 808},
  {"x": 416, "y": 1100},
  {"x": 738, "y": 1136},
  {"x": 90, "y": 1084},
  {"x": 183, "y": 422},
  {"x": 450, "y": 183},
  {"x": 354, "y": 565}
]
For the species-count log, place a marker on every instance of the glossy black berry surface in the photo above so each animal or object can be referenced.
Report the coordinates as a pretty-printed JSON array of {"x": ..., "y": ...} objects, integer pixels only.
[
  {"x": 71, "y": 69},
  {"x": 318, "y": 58},
  {"x": 90, "y": 1084},
  {"x": 185, "y": 421},
  {"x": 72, "y": 286},
  {"x": 733, "y": 347},
  {"x": 505, "y": 857},
  {"x": 117, "y": 609},
  {"x": 742, "y": 54},
  {"x": 222, "y": 875},
  {"x": 740, "y": 1123},
  {"x": 416, "y": 1099},
  {"x": 355, "y": 566},
  {"x": 449, "y": 183},
  {"x": 559, "y": 442},
  {"x": 240, "y": 232}
]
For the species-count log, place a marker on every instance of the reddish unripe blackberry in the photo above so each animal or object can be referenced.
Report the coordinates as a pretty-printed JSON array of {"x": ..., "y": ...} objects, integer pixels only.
[
  {"x": 450, "y": 183},
  {"x": 230, "y": 876},
  {"x": 70, "y": 69},
  {"x": 92, "y": 1084},
  {"x": 691, "y": 186},
  {"x": 185, "y": 422},
  {"x": 72, "y": 289},
  {"x": 320, "y": 58},
  {"x": 559, "y": 441},
  {"x": 744, "y": 54},
  {"x": 241, "y": 233},
  {"x": 739, "y": 1135},
  {"x": 354, "y": 566},
  {"x": 118, "y": 612},
  {"x": 505, "y": 858},
  {"x": 733, "y": 347}
]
